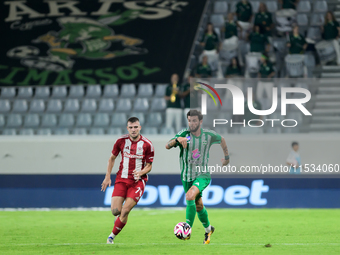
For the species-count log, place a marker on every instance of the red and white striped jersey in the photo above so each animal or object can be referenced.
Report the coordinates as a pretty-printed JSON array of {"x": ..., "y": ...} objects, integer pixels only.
[{"x": 135, "y": 155}]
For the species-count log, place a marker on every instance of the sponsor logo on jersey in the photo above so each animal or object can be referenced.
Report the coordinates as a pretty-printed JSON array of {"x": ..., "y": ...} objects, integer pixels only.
[
  {"x": 195, "y": 161},
  {"x": 195, "y": 154},
  {"x": 128, "y": 155},
  {"x": 127, "y": 147},
  {"x": 139, "y": 149}
]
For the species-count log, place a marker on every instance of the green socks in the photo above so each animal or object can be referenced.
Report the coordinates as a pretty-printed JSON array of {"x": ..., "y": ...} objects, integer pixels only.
[
  {"x": 191, "y": 212},
  {"x": 203, "y": 216}
]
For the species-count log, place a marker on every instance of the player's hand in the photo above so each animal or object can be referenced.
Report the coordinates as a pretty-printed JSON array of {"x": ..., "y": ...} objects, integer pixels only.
[
  {"x": 137, "y": 175},
  {"x": 106, "y": 182},
  {"x": 183, "y": 141},
  {"x": 224, "y": 162}
]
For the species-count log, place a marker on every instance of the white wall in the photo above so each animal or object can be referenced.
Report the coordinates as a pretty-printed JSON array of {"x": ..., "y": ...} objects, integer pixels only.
[{"x": 89, "y": 155}]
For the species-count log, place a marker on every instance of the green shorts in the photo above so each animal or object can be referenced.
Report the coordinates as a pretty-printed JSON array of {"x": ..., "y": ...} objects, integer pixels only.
[{"x": 200, "y": 183}]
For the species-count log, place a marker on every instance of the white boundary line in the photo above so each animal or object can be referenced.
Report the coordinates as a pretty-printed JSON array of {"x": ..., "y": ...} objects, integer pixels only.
[
  {"x": 87, "y": 209},
  {"x": 179, "y": 243}
]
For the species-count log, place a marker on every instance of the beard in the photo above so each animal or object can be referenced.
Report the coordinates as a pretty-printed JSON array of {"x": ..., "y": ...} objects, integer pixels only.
[{"x": 193, "y": 130}]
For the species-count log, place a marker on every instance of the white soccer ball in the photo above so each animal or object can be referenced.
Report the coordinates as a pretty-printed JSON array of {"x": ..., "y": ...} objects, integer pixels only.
[{"x": 182, "y": 231}]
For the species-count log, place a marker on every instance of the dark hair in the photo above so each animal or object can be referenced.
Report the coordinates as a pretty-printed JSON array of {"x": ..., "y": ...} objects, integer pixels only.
[
  {"x": 237, "y": 64},
  {"x": 265, "y": 7},
  {"x": 332, "y": 14},
  {"x": 195, "y": 113},
  {"x": 132, "y": 120},
  {"x": 294, "y": 143}
]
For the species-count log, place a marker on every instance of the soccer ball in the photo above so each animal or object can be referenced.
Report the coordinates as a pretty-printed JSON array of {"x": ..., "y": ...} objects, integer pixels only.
[{"x": 182, "y": 231}]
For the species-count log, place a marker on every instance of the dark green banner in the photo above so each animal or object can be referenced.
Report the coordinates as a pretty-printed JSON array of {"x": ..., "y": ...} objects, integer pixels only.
[{"x": 47, "y": 42}]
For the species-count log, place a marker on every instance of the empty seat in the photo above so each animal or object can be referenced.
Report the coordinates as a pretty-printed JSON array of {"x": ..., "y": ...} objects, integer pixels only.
[
  {"x": 84, "y": 120},
  {"x": 2, "y": 121},
  {"x": 220, "y": 7},
  {"x": 317, "y": 19},
  {"x": 44, "y": 131},
  {"x": 54, "y": 105},
  {"x": 42, "y": 92},
  {"x": 71, "y": 105},
  {"x": 9, "y": 131},
  {"x": 295, "y": 116},
  {"x": 96, "y": 131},
  {"x": 255, "y": 5},
  {"x": 314, "y": 33},
  {"x": 101, "y": 120},
  {"x": 128, "y": 90},
  {"x": 106, "y": 105},
  {"x": 158, "y": 104},
  {"x": 320, "y": 6},
  {"x": 141, "y": 105},
  {"x": 167, "y": 131},
  {"x": 25, "y": 92},
  {"x": 160, "y": 90},
  {"x": 233, "y": 6},
  {"x": 123, "y": 105},
  {"x": 62, "y": 131},
  {"x": 302, "y": 20},
  {"x": 7, "y": 92},
  {"x": 304, "y": 6},
  {"x": 118, "y": 120},
  {"x": 76, "y": 91},
  {"x": 139, "y": 115},
  {"x": 154, "y": 119},
  {"x": 217, "y": 20},
  {"x": 49, "y": 120},
  {"x": 20, "y": 106},
  {"x": 66, "y": 120},
  {"x": 145, "y": 90},
  {"x": 272, "y": 6},
  {"x": 111, "y": 91},
  {"x": 5, "y": 106},
  {"x": 93, "y": 91},
  {"x": 149, "y": 131},
  {"x": 26, "y": 131},
  {"x": 31, "y": 120},
  {"x": 114, "y": 131},
  {"x": 14, "y": 120},
  {"x": 89, "y": 105},
  {"x": 59, "y": 92},
  {"x": 37, "y": 105},
  {"x": 79, "y": 131}
]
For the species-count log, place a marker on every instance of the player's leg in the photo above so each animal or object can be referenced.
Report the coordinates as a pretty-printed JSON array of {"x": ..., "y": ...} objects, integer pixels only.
[
  {"x": 133, "y": 193},
  {"x": 190, "y": 197},
  {"x": 202, "y": 212},
  {"x": 117, "y": 200}
]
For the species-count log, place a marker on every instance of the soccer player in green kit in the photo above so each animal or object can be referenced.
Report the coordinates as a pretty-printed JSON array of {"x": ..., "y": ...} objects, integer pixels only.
[{"x": 194, "y": 143}]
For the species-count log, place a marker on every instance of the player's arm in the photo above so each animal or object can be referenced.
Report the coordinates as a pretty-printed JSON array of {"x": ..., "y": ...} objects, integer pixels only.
[
  {"x": 224, "y": 147},
  {"x": 107, "y": 179},
  {"x": 175, "y": 141},
  {"x": 142, "y": 172}
]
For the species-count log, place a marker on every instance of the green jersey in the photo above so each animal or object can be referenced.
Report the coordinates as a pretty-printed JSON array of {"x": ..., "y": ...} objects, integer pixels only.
[{"x": 195, "y": 158}]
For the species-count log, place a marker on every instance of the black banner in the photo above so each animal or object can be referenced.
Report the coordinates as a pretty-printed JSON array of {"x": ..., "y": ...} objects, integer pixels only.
[{"x": 47, "y": 42}]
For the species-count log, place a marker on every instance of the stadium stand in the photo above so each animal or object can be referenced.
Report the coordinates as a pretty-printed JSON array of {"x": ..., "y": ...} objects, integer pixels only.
[{"x": 103, "y": 109}]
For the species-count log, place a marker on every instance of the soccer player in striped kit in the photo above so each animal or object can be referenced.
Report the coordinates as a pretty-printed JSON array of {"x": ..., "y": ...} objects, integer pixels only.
[
  {"x": 137, "y": 156},
  {"x": 194, "y": 143}
]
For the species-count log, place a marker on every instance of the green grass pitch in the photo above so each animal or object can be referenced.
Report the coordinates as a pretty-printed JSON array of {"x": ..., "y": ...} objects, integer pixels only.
[{"x": 238, "y": 231}]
